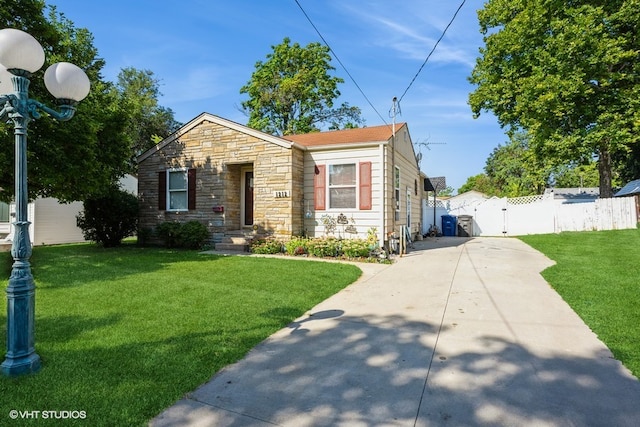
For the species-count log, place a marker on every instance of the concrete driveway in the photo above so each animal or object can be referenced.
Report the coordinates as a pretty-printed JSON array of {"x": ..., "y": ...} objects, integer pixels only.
[{"x": 460, "y": 332}]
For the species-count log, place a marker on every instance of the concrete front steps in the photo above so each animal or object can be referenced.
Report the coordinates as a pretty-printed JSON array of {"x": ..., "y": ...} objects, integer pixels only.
[{"x": 235, "y": 241}]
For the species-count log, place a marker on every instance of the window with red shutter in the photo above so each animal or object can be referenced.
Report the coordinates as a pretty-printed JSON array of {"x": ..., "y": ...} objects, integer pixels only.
[{"x": 365, "y": 186}]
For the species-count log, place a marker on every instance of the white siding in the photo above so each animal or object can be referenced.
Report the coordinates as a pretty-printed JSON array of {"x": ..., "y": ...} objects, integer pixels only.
[
  {"x": 363, "y": 220},
  {"x": 55, "y": 223}
]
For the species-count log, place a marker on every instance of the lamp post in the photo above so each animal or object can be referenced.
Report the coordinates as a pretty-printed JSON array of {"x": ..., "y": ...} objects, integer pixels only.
[{"x": 20, "y": 56}]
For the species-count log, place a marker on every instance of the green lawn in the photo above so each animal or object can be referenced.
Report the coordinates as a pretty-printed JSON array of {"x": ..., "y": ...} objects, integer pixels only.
[
  {"x": 124, "y": 333},
  {"x": 598, "y": 275}
]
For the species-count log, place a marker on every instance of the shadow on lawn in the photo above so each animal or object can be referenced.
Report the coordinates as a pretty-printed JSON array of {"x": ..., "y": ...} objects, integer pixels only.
[{"x": 347, "y": 370}]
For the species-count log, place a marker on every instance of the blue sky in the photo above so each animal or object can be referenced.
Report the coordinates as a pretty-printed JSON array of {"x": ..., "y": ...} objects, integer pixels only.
[{"x": 204, "y": 51}]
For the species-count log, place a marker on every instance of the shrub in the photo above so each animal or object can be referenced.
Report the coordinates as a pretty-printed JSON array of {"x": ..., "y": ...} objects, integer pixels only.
[
  {"x": 109, "y": 218},
  {"x": 323, "y": 247},
  {"x": 193, "y": 235},
  {"x": 266, "y": 246},
  {"x": 356, "y": 248},
  {"x": 189, "y": 235},
  {"x": 296, "y": 246},
  {"x": 168, "y": 231}
]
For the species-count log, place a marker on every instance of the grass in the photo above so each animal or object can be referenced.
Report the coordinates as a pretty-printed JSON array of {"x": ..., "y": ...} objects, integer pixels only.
[
  {"x": 598, "y": 275},
  {"x": 124, "y": 333}
]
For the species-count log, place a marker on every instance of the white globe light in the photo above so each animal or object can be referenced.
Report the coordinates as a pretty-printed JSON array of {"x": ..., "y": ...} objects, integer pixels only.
[
  {"x": 6, "y": 86},
  {"x": 67, "y": 81},
  {"x": 20, "y": 50}
]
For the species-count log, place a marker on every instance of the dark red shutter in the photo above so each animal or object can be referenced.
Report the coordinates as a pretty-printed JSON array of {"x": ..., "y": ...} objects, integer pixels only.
[
  {"x": 162, "y": 190},
  {"x": 365, "y": 186},
  {"x": 319, "y": 187},
  {"x": 191, "y": 189}
]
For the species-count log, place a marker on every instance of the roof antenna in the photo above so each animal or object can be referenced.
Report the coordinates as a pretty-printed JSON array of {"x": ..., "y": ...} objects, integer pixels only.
[{"x": 393, "y": 112}]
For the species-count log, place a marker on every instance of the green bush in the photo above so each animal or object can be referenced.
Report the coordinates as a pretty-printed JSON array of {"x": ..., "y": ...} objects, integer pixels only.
[
  {"x": 296, "y": 246},
  {"x": 356, "y": 248},
  {"x": 193, "y": 235},
  {"x": 323, "y": 247},
  {"x": 266, "y": 246},
  {"x": 109, "y": 218},
  {"x": 189, "y": 235},
  {"x": 168, "y": 231}
]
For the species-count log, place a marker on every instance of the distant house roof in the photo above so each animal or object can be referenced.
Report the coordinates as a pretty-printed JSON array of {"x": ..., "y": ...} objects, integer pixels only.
[
  {"x": 470, "y": 195},
  {"x": 632, "y": 188},
  {"x": 581, "y": 193},
  {"x": 346, "y": 136}
]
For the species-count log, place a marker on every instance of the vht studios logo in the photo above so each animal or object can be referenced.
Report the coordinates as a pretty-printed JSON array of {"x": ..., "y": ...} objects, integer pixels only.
[{"x": 58, "y": 415}]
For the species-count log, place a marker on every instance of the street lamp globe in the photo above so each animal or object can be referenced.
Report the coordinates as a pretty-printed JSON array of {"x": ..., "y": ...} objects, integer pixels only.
[
  {"x": 20, "y": 51},
  {"x": 67, "y": 81}
]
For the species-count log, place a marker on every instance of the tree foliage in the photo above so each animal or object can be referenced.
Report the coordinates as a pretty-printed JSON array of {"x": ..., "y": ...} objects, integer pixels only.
[
  {"x": 88, "y": 154},
  {"x": 512, "y": 170},
  {"x": 294, "y": 92},
  {"x": 567, "y": 73},
  {"x": 81, "y": 157},
  {"x": 479, "y": 182},
  {"x": 148, "y": 122}
]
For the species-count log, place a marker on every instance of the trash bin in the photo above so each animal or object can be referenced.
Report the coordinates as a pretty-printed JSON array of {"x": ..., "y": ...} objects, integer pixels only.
[
  {"x": 449, "y": 224},
  {"x": 465, "y": 226}
]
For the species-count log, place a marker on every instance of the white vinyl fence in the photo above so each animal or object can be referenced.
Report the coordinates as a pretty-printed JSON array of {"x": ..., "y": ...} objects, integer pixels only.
[{"x": 535, "y": 215}]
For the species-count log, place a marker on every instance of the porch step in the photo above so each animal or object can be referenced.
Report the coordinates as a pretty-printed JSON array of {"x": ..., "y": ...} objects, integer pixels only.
[
  {"x": 234, "y": 241},
  {"x": 232, "y": 247}
]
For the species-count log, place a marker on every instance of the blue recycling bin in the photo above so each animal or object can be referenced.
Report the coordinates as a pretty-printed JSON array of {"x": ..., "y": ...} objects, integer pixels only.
[{"x": 449, "y": 225}]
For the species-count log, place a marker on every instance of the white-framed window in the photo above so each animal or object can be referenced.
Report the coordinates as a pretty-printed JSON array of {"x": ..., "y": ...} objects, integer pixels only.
[
  {"x": 177, "y": 190},
  {"x": 343, "y": 186}
]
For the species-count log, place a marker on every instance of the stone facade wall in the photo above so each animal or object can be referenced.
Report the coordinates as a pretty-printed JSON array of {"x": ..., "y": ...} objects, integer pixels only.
[{"x": 218, "y": 153}]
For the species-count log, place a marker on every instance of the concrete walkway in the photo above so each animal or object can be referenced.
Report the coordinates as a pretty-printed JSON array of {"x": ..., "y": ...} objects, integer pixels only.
[{"x": 458, "y": 332}]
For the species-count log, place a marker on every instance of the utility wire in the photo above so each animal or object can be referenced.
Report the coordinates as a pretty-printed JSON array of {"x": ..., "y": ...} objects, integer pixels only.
[
  {"x": 340, "y": 62},
  {"x": 432, "y": 50}
]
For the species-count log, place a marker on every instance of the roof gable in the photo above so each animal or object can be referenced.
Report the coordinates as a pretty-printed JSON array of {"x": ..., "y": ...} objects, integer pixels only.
[{"x": 222, "y": 122}]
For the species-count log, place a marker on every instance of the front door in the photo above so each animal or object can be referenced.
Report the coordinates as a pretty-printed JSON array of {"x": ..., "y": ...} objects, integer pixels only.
[{"x": 247, "y": 197}]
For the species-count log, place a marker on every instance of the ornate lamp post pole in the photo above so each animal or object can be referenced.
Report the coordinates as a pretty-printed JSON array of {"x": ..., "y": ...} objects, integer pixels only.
[{"x": 21, "y": 55}]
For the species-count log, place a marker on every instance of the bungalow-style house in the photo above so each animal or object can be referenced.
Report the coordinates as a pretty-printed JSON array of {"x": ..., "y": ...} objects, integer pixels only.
[{"x": 237, "y": 180}]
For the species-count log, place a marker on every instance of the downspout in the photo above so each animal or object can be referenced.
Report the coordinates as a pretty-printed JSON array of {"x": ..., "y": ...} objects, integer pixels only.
[
  {"x": 393, "y": 166},
  {"x": 383, "y": 194}
]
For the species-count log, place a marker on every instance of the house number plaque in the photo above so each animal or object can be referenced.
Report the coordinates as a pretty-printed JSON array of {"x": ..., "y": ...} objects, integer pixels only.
[{"x": 281, "y": 194}]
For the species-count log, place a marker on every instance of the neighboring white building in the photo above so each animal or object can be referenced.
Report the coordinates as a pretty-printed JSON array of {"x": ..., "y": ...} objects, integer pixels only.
[{"x": 53, "y": 222}]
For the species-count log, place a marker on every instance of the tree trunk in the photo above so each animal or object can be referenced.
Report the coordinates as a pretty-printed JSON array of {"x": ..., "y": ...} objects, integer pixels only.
[{"x": 604, "y": 168}]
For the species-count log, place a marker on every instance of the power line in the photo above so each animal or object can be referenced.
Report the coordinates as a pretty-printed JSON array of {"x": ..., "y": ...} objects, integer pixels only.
[
  {"x": 340, "y": 62},
  {"x": 432, "y": 50}
]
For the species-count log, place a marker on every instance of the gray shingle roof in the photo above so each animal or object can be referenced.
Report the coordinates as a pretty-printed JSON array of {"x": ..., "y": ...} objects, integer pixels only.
[{"x": 630, "y": 189}]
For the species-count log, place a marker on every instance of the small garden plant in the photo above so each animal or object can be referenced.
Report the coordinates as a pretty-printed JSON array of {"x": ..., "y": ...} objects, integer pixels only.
[{"x": 324, "y": 247}]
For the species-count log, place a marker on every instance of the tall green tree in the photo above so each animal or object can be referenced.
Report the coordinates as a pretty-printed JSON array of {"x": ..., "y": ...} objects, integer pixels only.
[
  {"x": 567, "y": 73},
  {"x": 513, "y": 169},
  {"x": 480, "y": 182},
  {"x": 575, "y": 176},
  {"x": 81, "y": 157},
  {"x": 148, "y": 121},
  {"x": 293, "y": 91}
]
